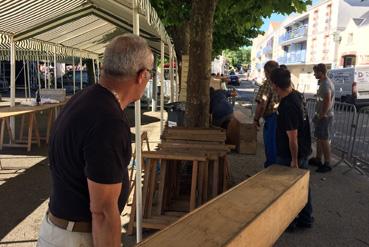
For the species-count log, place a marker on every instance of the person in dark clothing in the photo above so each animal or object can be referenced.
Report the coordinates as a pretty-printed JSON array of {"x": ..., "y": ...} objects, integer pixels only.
[
  {"x": 90, "y": 149},
  {"x": 293, "y": 133},
  {"x": 220, "y": 108}
]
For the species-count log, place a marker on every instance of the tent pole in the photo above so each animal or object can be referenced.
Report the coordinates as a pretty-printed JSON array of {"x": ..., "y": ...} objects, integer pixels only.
[
  {"x": 29, "y": 79},
  {"x": 93, "y": 67},
  {"x": 74, "y": 75},
  {"x": 171, "y": 74},
  {"x": 38, "y": 72},
  {"x": 12, "y": 82},
  {"x": 177, "y": 79},
  {"x": 98, "y": 69},
  {"x": 25, "y": 79},
  {"x": 154, "y": 94},
  {"x": 55, "y": 76},
  {"x": 48, "y": 73},
  {"x": 136, "y": 30},
  {"x": 80, "y": 71},
  {"x": 162, "y": 84},
  {"x": 61, "y": 77}
]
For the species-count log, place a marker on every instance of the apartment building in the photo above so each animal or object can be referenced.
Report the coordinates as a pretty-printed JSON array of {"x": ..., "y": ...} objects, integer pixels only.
[{"x": 308, "y": 38}]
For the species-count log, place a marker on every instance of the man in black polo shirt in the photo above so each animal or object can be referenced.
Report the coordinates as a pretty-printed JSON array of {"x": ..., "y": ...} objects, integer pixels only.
[
  {"x": 90, "y": 149},
  {"x": 293, "y": 133}
]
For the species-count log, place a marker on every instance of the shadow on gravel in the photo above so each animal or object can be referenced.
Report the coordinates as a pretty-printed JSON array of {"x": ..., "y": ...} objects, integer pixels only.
[{"x": 22, "y": 194}]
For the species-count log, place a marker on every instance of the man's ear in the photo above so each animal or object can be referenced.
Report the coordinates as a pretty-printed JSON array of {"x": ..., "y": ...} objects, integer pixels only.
[{"x": 141, "y": 76}]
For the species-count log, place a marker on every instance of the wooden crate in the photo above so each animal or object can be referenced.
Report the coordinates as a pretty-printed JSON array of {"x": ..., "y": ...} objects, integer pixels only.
[{"x": 242, "y": 133}]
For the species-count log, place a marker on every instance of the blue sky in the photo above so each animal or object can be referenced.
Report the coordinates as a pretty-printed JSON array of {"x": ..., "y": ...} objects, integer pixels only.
[{"x": 277, "y": 17}]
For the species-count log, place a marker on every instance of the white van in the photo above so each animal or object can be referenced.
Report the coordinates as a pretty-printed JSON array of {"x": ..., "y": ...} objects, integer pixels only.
[{"x": 351, "y": 84}]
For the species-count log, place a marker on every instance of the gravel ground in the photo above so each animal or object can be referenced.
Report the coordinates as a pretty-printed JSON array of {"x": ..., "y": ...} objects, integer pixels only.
[{"x": 340, "y": 198}]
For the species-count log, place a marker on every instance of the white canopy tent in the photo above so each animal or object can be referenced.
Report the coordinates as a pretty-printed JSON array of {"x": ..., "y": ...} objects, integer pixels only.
[{"x": 58, "y": 29}]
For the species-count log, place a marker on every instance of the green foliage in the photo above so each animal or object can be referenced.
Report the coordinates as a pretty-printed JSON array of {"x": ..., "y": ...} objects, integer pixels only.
[
  {"x": 241, "y": 56},
  {"x": 172, "y": 12},
  {"x": 236, "y": 22}
]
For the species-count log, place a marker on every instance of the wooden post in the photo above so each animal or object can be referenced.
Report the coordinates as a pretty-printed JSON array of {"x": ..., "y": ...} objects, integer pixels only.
[
  {"x": 163, "y": 170},
  {"x": 193, "y": 185}
]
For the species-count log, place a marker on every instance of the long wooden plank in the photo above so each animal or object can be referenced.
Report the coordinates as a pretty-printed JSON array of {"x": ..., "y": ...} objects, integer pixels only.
[
  {"x": 158, "y": 222},
  {"x": 163, "y": 170},
  {"x": 196, "y": 137},
  {"x": 200, "y": 143},
  {"x": 193, "y": 185},
  {"x": 215, "y": 147},
  {"x": 203, "y": 131},
  {"x": 20, "y": 110},
  {"x": 254, "y": 213},
  {"x": 173, "y": 155}
]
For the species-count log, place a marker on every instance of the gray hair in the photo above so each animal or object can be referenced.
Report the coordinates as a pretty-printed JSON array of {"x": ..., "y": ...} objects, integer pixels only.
[{"x": 126, "y": 55}]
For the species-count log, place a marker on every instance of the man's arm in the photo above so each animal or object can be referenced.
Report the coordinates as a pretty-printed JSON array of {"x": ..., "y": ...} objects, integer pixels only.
[
  {"x": 106, "y": 226},
  {"x": 259, "y": 111},
  {"x": 294, "y": 148},
  {"x": 327, "y": 101},
  {"x": 261, "y": 99}
]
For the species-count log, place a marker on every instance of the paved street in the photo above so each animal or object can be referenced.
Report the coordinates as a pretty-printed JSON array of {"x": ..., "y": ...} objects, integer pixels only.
[{"x": 340, "y": 198}]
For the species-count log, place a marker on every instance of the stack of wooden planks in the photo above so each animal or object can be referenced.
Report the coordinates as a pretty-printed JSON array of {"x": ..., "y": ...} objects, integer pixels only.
[{"x": 188, "y": 169}]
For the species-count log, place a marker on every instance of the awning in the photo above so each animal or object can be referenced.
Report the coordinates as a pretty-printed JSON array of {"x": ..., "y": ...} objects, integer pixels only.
[{"x": 73, "y": 27}]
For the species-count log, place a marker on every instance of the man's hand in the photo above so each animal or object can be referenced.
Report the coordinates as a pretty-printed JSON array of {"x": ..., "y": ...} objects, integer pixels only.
[
  {"x": 106, "y": 227},
  {"x": 257, "y": 124}
]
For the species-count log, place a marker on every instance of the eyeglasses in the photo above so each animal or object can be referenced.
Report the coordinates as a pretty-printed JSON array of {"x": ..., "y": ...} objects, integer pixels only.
[{"x": 151, "y": 72}]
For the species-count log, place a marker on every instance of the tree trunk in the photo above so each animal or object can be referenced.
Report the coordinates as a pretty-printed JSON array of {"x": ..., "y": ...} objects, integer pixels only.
[
  {"x": 181, "y": 40},
  {"x": 201, "y": 40}
]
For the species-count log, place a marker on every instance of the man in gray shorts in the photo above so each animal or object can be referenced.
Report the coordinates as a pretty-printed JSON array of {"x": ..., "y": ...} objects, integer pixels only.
[{"x": 323, "y": 119}]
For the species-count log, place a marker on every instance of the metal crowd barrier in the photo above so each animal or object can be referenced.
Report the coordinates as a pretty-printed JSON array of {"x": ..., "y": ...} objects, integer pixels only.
[
  {"x": 310, "y": 108},
  {"x": 360, "y": 147},
  {"x": 343, "y": 130}
]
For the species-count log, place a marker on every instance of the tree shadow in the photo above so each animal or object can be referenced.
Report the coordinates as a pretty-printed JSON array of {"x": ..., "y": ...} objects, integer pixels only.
[
  {"x": 130, "y": 112},
  {"x": 22, "y": 194}
]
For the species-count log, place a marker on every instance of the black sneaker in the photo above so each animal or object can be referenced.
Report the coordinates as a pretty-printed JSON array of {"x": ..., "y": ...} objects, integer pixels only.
[
  {"x": 292, "y": 227},
  {"x": 324, "y": 168},
  {"x": 305, "y": 223},
  {"x": 315, "y": 162}
]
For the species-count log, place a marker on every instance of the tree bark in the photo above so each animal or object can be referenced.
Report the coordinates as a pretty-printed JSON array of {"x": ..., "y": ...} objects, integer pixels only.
[
  {"x": 181, "y": 40},
  {"x": 201, "y": 40}
]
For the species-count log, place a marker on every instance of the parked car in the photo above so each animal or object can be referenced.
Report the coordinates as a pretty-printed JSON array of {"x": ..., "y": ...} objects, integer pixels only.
[
  {"x": 351, "y": 84},
  {"x": 233, "y": 80}
]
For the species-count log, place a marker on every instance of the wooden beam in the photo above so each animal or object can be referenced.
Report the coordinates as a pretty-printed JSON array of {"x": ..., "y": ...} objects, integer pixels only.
[
  {"x": 173, "y": 155},
  {"x": 254, "y": 213}
]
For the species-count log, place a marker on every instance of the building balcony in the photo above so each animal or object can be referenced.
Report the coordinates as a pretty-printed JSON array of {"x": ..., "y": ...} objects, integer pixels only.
[
  {"x": 258, "y": 54},
  {"x": 268, "y": 50},
  {"x": 294, "y": 36},
  {"x": 293, "y": 57}
]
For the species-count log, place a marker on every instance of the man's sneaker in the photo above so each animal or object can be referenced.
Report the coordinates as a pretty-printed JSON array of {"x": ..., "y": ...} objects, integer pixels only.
[
  {"x": 292, "y": 227},
  {"x": 305, "y": 223},
  {"x": 324, "y": 168},
  {"x": 315, "y": 162}
]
